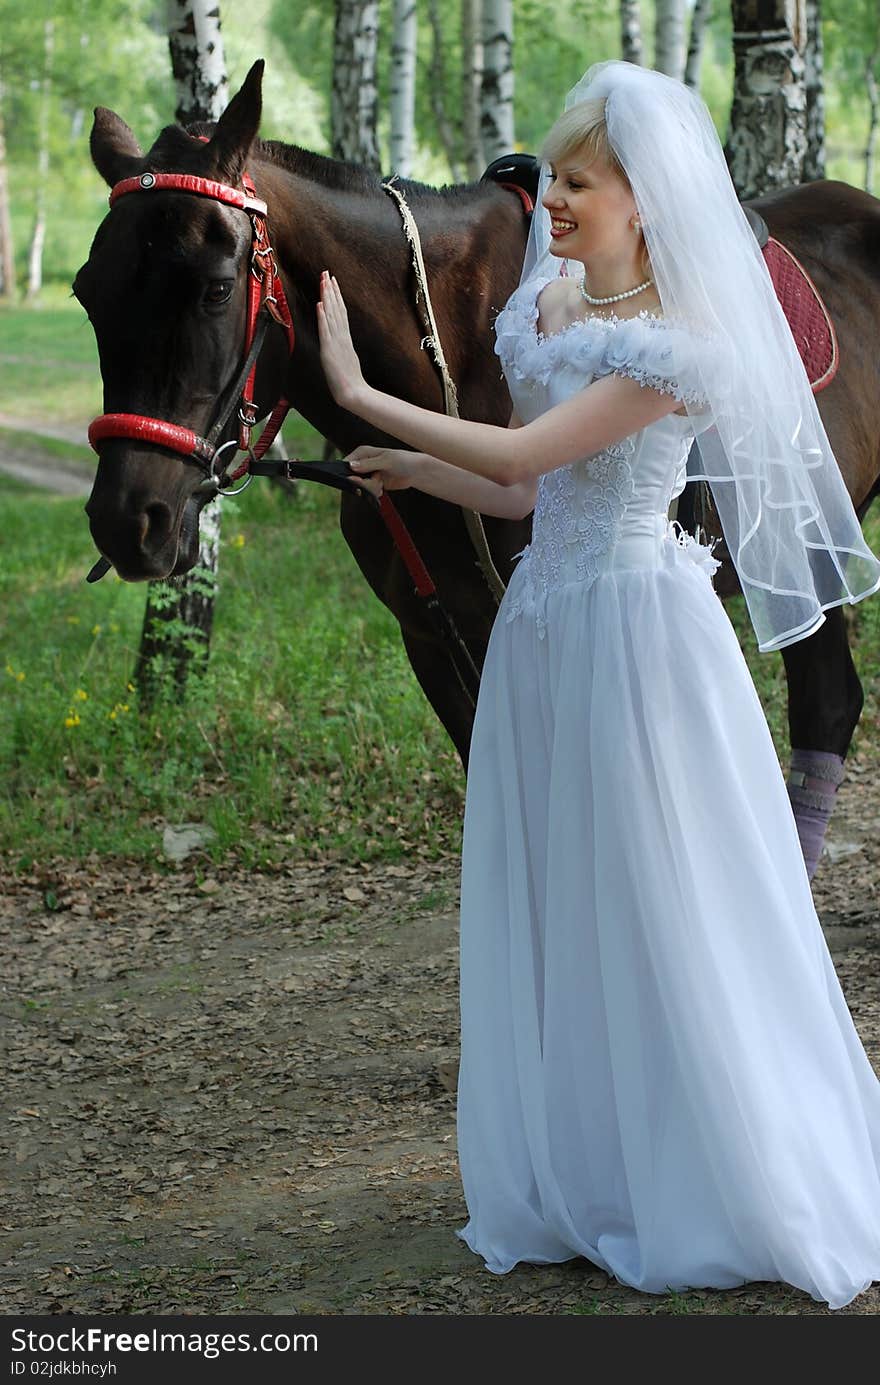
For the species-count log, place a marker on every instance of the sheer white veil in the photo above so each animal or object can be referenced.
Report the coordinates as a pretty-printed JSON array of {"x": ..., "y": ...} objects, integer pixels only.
[{"x": 787, "y": 516}]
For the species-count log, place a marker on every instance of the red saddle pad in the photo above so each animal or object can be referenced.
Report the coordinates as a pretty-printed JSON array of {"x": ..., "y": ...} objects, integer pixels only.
[{"x": 807, "y": 315}]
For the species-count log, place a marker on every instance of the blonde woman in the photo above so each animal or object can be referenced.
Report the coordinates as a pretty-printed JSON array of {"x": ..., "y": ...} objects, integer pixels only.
[{"x": 659, "y": 1072}]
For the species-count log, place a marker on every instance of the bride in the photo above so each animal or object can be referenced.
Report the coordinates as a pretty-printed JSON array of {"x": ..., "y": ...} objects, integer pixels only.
[{"x": 659, "y": 1072}]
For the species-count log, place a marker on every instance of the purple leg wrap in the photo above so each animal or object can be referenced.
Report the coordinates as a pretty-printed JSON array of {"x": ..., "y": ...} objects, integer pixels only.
[{"x": 813, "y": 781}]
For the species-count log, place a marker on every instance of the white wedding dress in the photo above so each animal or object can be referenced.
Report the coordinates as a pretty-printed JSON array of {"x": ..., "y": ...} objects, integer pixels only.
[{"x": 659, "y": 1071}]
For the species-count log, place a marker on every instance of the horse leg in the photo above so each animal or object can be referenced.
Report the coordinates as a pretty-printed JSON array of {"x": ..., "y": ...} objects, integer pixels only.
[
  {"x": 439, "y": 682},
  {"x": 825, "y": 701}
]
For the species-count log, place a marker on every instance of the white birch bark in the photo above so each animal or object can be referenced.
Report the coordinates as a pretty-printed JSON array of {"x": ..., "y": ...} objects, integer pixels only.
[
  {"x": 198, "y": 63},
  {"x": 768, "y": 138},
  {"x": 38, "y": 235},
  {"x": 669, "y": 37},
  {"x": 354, "y": 98},
  {"x": 700, "y": 16},
  {"x": 7, "y": 255},
  {"x": 874, "y": 118},
  {"x": 496, "y": 91},
  {"x": 814, "y": 66},
  {"x": 630, "y": 31},
  {"x": 403, "y": 85},
  {"x": 471, "y": 82}
]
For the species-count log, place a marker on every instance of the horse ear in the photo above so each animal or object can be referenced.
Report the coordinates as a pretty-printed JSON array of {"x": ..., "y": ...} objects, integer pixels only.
[
  {"x": 237, "y": 127},
  {"x": 116, "y": 153}
]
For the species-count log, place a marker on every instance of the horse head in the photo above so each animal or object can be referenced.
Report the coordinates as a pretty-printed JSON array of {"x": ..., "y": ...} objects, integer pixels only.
[{"x": 165, "y": 287}]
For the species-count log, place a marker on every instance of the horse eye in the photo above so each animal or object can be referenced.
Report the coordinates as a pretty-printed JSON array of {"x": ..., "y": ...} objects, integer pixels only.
[{"x": 218, "y": 291}]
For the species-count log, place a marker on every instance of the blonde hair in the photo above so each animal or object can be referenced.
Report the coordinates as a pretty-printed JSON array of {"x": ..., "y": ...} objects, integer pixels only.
[{"x": 580, "y": 133}]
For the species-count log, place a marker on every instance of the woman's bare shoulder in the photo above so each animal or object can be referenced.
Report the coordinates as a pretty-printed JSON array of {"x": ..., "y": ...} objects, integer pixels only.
[{"x": 557, "y": 304}]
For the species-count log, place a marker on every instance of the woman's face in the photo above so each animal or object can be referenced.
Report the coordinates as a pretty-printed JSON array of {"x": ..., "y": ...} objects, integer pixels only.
[{"x": 591, "y": 209}]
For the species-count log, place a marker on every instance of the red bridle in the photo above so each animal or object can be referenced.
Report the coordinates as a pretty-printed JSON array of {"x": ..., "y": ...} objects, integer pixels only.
[{"x": 265, "y": 296}]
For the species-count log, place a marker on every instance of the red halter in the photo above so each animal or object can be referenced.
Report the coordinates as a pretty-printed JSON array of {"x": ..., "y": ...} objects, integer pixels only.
[{"x": 265, "y": 291}]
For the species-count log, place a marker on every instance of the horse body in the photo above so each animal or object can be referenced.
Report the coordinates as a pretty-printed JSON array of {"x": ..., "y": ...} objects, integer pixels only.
[{"x": 168, "y": 352}]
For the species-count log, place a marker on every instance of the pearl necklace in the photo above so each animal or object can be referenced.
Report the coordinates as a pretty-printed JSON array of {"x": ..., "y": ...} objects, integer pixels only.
[{"x": 615, "y": 297}]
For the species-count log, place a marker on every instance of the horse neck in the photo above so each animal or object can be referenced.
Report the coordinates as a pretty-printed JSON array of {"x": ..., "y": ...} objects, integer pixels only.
[{"x": 317, "y": 226}]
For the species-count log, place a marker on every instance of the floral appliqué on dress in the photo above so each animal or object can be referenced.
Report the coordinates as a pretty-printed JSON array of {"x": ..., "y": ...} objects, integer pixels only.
[{"x": 577, "y": 511}]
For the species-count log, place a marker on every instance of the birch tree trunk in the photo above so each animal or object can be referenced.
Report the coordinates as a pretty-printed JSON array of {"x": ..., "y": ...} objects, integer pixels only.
[
  {"x": 403, "y": 85},
  {"x": 496, "y": 91},
  {"x": 38, "y": 235},
  {"x": 179, "y": 616},
  {"x": 198, "y": 64},
  {"x": 700, "y": 16},
  {"x": 446, "y": 129},
  {"x": 814, "y": 65},
  {"x": 768, "y": 126},
  {"x": 630, "y": 31},
  {"x": 354, "y": 98},
  {"x": 471, "y": 83},
  {"x": 669, "y": 38},
  {"x": 7, "y": 256},
  {"x": 874, "y": 106}
]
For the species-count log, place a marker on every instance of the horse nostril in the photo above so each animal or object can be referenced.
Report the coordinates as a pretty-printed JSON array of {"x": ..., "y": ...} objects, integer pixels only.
[{"x": 155, "y": 522}]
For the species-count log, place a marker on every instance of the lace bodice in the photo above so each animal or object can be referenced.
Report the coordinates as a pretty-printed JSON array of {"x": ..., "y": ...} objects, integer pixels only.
[{"x": 610, "y": 508}]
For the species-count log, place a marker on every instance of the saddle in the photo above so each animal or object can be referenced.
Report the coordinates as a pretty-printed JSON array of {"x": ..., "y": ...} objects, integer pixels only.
[{"x": 807, "y": 316}]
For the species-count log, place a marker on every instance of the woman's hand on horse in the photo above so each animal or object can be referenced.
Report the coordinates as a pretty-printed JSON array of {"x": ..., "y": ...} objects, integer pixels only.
[
  {"x": 382, "y": 468},
  {"x": 339, "y": 360}
]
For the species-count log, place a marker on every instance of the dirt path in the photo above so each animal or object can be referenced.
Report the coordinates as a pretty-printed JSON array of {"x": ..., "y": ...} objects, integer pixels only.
[
  {"x": 233, "y": 1094},
  {"x": 22, "y": 458}
]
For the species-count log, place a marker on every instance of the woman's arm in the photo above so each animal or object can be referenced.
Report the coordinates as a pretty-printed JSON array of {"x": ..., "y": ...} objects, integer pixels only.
[
  {"x": 610, "y": 409},
  {"x": 393, "y": 469}
]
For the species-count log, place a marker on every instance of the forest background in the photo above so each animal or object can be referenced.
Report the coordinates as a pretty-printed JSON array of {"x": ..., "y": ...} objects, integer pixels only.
[{"x": 115, "y": 54}]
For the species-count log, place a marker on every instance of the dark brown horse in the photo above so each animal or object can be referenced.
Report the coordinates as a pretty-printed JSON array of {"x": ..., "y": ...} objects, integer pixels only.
[{"x": 164, "y": 288}]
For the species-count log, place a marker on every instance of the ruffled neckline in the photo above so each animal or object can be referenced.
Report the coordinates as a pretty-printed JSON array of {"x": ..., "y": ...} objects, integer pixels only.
[{"x": 645, "y": 346}]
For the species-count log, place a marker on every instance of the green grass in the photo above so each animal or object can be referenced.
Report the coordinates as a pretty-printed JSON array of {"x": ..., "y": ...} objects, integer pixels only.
[
  {"x": 55, "y": 373},
  {"x": 308, "y": 733}
]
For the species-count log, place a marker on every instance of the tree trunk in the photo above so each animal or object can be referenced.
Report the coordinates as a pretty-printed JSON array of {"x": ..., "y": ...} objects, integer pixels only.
[
  {"x": 630, "y": 31},
  {"x": 496, "y": 92},
  {"x": 446, "y": 131},
  {"x": 7, "y": 256},
  {"x": 768, "y": 135},
  {"x": 198, "y": 63},
  {"x": 354, "y": 98},
  {"x": 179, "y": 616},
  {"x": 702, "y": 13},
  {"x": 38, "y": 235},
  {"x": 669, "y": 38},
  {"x": 403, "y": 85},
  {"x": 814, "y": 62},
  {"x": 471, "y": 82},
  {"x": 874, "y": 105}
]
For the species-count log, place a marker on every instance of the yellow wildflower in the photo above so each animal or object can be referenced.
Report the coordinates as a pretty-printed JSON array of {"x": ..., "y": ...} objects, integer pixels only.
[
  {"x": 96, "y": 629},
  {"x": 237, "y": 541},
  {"x": 72, "y": 718},
  {"x": 81, "y": 695}
]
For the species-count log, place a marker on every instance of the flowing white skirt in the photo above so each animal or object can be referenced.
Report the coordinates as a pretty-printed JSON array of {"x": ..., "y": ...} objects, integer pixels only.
[{"x": 659, "y": 1071}]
